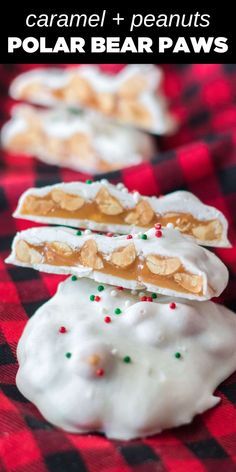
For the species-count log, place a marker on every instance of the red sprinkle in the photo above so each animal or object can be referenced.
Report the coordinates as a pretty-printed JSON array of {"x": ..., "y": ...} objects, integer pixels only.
[
  {"x": 172, "y": 305},
  {"x": 110, "y": 235},
  {"x": 119, "y": 288},
  {"x": 97, "y": 298},
  {"x": 107, "y": 319},
  {"x": 158, "y": 233},
  {"x": 62, "y": 329},
  {"x": 100, "y": 372},
  {"x": 149, "y": 299},
  {"x": 158, "y": 225},
  {"x": 129, "y": 236},
  {"x": 143, "y": 299}
]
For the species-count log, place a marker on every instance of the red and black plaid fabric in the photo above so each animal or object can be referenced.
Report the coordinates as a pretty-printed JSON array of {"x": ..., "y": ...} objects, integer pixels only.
[{"x": 201, "y": 158}]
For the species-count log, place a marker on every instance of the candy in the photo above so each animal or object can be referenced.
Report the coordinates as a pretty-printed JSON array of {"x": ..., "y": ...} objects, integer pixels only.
[
  {"x": 171, "y": 265},
  {"x": 104, "y": 207},
  {"x": 136, "y": 363}
]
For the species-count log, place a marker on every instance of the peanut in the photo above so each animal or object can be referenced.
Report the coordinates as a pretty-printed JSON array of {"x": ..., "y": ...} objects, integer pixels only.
[
  {"x": 124, "y": 257},
  {"x": 89, "y": 255},
  {"x": 143, "y": 214},
  {"x": 192, "y": 283},
  {"x": 62, "y": 249},
  {"x": 108, "y": 204},
  {"x": 27, "y": 254},
  {"x": 38, "y": 206},
  {"x": 162, "y": 265},
  {"x": 67, "y": 202},
  {"x": 210, "y": 232}
]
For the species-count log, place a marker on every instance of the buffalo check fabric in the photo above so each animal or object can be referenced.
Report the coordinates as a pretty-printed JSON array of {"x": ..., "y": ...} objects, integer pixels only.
[{"x": 200, "y": 157}]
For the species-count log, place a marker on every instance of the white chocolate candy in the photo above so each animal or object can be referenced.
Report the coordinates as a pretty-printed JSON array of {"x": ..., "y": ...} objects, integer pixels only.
[
  {"x": 171, "y": 264},
  {"x": 176, "y": 203},
  {"x": 150, "y": 368},
  {"x": 132, "y": 96},
  {"x": 77, "y": 140}
]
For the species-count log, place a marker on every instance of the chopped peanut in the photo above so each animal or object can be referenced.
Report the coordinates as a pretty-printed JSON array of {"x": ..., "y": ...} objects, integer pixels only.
[
  {"x": 67, "y": 202},
  {"x": 142, "y": 214},
  {"x": 162, "y": 266},
  {"x": 89, "y": 255},
  {"x": 192, "y": 283},
  {"x": 108, "y": 204},
  {"x": 124, "y": 257}
]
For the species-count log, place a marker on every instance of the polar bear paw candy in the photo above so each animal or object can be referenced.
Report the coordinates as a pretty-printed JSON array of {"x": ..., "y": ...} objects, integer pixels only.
[
  {"x": 75, "y": 139},
  {"x": 160, "y": 261},
  {"x": 130, "y": 97},
  {"x": 96, "y": 358},
  {"x": 102, "y": 206}
]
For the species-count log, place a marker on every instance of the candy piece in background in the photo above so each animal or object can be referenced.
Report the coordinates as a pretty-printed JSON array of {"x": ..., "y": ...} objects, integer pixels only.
[
  {"x": 133, "y": 96},
  {"x": 75, "y": 139}
]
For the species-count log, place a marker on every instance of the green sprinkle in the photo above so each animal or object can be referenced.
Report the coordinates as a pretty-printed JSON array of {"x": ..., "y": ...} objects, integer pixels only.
[
  {"x": 127, "y": 359},
  {"x": 75, "y": 111},
  {"x": 154, "y": 295},
  {"x": 143, "y": 236},
  {"x": 74, "y": 278},
  {"x": 88, "y": 181},
  {"x": 78, "y": 233},
  {"x": 117, "y": 311},
  {"x": 177, "y": 355},
  {"x": 100, "y": 288},
  {"x": 92, "y": 298},
  {"x": 68, "y": 355}
]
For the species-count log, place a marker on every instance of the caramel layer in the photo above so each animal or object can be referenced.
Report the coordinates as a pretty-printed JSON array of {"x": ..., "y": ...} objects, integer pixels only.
[
  {"x": 60, "y": 254},
  {"x": 210, "y": 230}
]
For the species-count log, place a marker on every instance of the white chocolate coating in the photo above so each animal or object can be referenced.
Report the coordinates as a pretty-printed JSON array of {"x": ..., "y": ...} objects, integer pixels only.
[
  {"x": 179, "y": 201},
  {"x": 112, "y": 146},
  {"x": 195, "y": 259},
  {"x": 53, "y": 78},
  {"x": 154, "y": 391}
]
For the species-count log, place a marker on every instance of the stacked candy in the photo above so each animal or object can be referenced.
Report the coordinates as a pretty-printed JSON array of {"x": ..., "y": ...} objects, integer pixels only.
[
  {"x": 130, "y": 344},
  {"x": 92, "y": 120}
]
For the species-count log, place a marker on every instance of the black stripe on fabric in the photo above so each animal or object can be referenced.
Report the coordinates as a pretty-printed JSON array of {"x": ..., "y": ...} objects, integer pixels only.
[
  {"x": 138, "y": 454},
  {"x": 31, "y": 307},
  {"x": 22, "y": 274},
  {"x": 227, "y": 178},
  {"x": 6, "y": 242},
  {"x": 230, "y": 68},
  {"x": 3, "y": 200},
  {"x": 163, "y": 156},
  {"x": 42, "y": 181},
  {"x": 116, "y": 175},
  {"x": 43, "y": 168},
  {"x": 229, "y": 391},
  {"x": 199, "y": 118},
  {"x": 230, "y": 304},
  {"x": 37, "y": 423},
  {"x": 207, "y": 449},
  {"x": 6, "y": 356},
  {"x": 181, "y": 67},
  {"x": 69, "y": 461},
  {"x": 12, "y": 392},
  {"x": 190, "y": 91}
]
